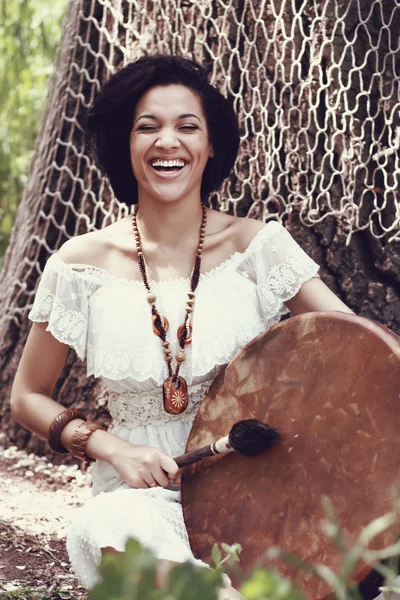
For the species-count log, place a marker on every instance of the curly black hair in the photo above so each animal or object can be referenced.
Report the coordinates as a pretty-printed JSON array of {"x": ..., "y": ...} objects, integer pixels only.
[{"x": 108, "y": 122}]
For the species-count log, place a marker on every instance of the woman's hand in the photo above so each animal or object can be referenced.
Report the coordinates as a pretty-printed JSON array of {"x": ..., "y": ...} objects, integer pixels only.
[{"x": 143, "y": 466}]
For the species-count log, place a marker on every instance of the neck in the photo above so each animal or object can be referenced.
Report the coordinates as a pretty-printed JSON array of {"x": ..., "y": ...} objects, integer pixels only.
[{"x": 169, "y": 224}]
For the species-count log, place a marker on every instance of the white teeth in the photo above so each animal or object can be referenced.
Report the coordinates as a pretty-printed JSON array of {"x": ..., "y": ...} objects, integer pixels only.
[{"x": 167, "y": 163}]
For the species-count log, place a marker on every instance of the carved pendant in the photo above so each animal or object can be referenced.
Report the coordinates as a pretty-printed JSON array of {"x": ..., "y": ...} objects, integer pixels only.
[
  {"x": 164, "y": 323},
  {"x": 189, "y": 329},
  {"x": 175, "y": 395}
]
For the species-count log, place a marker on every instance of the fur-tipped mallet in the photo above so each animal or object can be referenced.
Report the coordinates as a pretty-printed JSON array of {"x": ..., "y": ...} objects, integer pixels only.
[{"x": 248, "y": 437}]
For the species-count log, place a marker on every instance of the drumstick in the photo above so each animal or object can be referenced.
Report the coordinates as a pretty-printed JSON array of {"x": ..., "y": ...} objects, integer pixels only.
[{"x": 248, "y": 437}]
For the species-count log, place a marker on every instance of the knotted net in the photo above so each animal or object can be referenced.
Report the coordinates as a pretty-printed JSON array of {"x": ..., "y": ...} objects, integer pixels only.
[{"x": 316, "y": 88}]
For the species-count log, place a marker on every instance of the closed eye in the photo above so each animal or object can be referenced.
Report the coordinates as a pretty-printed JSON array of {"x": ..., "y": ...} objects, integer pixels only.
[
  {"x": 145, "y": 128},
  {"x": 153, "y": 128}
]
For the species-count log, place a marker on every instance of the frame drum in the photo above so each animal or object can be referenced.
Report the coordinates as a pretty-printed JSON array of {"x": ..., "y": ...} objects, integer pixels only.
[{"x": 330, "y": 384}]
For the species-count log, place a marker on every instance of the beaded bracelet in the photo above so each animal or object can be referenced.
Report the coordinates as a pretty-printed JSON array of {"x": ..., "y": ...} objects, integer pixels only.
[
  {"x": 56, "y": 427},
  {"x": 80, "y": 438}
]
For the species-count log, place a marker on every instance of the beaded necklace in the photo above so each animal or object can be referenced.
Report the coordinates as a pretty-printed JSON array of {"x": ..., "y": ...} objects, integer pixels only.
[{"x": 175, "y": 392}]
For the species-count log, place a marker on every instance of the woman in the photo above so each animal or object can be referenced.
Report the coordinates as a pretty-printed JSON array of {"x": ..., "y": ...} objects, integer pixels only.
[{"x": 132, "y": 296}]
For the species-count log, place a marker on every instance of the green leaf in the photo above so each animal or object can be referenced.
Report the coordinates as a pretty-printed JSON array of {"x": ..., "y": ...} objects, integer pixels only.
[
  {"x": 332, "y": 580},
  {"x": 331, "y": 526},
  {"x": 268, "y": 585},
  {"x": 390, "y": 588},
  {"x": 274, "y": 553},
  {"x": 189, "y": 582},
  {"x": 233, "y": 551},
  {"x": 216, "y": 555},
  {"x": 376, "y": 527}
]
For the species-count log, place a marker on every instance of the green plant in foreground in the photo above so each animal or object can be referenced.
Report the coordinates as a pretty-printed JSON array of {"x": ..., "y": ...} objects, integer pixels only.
[
  {"x": 341, "y": 583},
  {"x": 261, "y": 584},
  {"x": 130, "y": 575}
]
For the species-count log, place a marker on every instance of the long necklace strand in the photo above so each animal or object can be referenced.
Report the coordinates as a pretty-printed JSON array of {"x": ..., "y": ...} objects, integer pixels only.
[{"x": 175, "y": 394}]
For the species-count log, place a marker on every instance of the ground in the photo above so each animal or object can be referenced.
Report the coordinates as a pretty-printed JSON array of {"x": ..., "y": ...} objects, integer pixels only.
[{"x": 37, "y": 502}]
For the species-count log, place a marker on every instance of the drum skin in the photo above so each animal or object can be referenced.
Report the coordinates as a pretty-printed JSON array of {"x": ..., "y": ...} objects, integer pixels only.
[{"x": 330, "y": 384}]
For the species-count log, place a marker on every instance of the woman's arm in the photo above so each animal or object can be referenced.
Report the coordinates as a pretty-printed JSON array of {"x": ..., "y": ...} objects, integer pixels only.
[
  {"x": 32, "y": 406},
  {"x": 314, "y": 295}
]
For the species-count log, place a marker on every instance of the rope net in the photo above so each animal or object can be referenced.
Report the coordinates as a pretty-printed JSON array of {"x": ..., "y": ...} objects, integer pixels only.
[{"x": 315, "y": 85}]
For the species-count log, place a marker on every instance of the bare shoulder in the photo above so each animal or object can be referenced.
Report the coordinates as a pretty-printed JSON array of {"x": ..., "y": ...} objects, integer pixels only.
[
  {"x": 241, "y": 230},
  {"x": 87, "y": 249},
  {"x": 245, "y": 230}
]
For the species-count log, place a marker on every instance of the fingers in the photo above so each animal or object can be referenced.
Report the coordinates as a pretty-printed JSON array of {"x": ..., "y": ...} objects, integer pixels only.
[
  {"x": 146, "y": 475},
  {"x": 161, "y": 476},
  {"x": 154, "y": 476},
  {"x": 177, "y": 479},
  {"x": 157, "y": 474},
  {"x": 170, "y": 467},
  {"x": 150, "y": 480},
  {"x": 160, "y": 467},
  {"x": 138, "y": 483},
  {"x": 158, "y": 477},
  {"x": 147, "y": 467}
]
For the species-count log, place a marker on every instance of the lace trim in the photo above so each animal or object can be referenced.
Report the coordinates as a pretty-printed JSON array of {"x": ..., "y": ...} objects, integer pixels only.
[
  {"x": 131, "y": 409},
  {"x": 67, "y": 326},
  {"x": 141, "y": 363},
  {"x": 276, "y": 284},
  {"x": 117, "y": 362},
  {"x": 272, "y": 228},
  {"x": 221, "y": 346},
  {"x": 283, "y": 282}
]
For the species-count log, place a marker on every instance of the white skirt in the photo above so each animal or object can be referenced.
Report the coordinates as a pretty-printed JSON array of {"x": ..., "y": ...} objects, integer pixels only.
[{"x": 117, "y": 511}]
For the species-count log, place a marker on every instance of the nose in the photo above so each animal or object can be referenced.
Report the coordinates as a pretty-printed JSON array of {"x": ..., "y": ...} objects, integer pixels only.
[{"x": 167, "y": 139}]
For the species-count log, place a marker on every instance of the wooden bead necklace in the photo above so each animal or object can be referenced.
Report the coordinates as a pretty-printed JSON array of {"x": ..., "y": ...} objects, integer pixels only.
[{"x": 175, "y": 392}]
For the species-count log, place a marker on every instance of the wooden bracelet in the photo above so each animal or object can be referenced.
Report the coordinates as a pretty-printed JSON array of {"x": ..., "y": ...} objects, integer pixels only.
[
  {"x": 56, "y": 427},
  {"x": 80, "y": 438}
]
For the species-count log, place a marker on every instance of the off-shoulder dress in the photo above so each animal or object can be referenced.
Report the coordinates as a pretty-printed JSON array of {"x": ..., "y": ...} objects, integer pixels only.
[{"x": 107, "y": 320}]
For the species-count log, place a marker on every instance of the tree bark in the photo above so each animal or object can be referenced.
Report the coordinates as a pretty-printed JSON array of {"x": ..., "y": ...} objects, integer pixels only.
[
  {"x": 65, "y": 197},
  {"x": 43, "y": 223}
]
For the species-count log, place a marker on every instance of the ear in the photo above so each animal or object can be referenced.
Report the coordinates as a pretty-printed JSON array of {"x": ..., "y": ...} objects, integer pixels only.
[{"x": 212, "y": 153}]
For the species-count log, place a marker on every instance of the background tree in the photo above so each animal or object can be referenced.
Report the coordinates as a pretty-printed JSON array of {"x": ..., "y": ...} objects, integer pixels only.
[
  {"x": 29, "y": 36},
  {"x": 316, "y": 88}
]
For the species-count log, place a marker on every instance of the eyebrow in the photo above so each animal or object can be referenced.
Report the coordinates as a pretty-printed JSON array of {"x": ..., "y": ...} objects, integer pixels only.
[{"x": 184, "y": 116}]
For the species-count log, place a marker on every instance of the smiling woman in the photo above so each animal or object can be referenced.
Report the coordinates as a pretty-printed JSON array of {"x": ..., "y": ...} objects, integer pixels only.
[
  {"x": 144, "y": 95},
  {"x": 169, "y": 147},
  {"x": 159, "y": 301}
]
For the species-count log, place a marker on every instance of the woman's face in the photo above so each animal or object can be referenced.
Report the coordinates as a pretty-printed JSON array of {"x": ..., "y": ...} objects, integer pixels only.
[{"x": 169, "y": 144}]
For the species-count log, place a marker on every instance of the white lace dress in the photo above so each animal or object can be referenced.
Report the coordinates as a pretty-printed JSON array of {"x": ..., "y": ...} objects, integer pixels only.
[{"x": 107, "y": 320}]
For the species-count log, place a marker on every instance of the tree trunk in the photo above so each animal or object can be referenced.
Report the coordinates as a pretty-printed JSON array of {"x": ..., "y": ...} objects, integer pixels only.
[
  {"x": 312, "y": 112},
  {"x": 44, "y": 223}
]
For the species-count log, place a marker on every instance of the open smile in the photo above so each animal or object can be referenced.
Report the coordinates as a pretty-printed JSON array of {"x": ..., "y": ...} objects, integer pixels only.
[{"x": 168, "y": 169}]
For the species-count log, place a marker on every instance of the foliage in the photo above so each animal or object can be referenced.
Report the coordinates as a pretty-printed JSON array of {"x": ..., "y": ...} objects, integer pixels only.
[
  {"x": 29, "y": 34},
  {"x": 130, "y": 575},
  {"x": 341, "y": 582}
]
